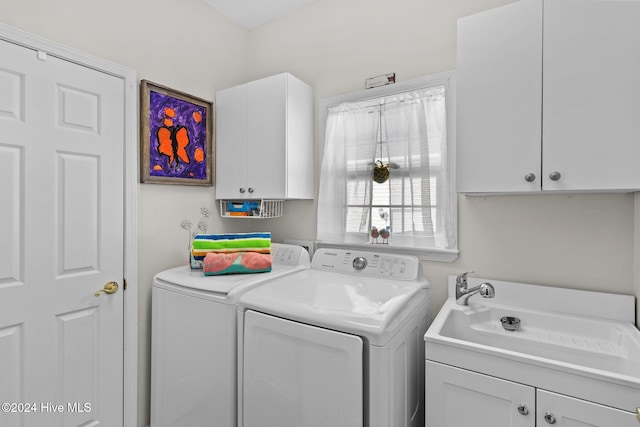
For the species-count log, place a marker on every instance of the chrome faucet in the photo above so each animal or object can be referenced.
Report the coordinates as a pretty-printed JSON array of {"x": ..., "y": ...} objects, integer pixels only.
[{"x": 463, "y": 294}]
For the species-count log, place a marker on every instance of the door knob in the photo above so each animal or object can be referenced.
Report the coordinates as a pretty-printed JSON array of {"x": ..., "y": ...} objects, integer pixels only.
[
  {"x": 638, "y": 414},
  {"x": 109, "y": 288}
]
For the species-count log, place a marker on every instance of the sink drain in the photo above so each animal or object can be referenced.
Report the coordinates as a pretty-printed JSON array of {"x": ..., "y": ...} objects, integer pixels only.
[{"x": 510, "y": 323}]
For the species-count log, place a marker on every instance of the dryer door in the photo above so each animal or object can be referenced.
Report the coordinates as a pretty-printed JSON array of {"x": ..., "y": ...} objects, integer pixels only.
[{"x": 300, "y": 375}]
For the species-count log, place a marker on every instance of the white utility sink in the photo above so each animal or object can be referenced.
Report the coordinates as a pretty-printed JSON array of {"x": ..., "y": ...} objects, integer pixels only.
[{"x": 582, "y": 343}]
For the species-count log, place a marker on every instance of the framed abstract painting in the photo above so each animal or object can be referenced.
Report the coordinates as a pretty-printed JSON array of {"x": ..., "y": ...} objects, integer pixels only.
[{"x": 176, "y": 137}]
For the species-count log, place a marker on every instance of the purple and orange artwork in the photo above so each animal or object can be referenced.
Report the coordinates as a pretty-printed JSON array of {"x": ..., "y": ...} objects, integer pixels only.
[{"x": 177, "y": 137}]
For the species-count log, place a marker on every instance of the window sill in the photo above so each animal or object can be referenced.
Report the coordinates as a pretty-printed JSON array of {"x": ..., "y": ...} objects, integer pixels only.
[{"x": 438, "y": 255}]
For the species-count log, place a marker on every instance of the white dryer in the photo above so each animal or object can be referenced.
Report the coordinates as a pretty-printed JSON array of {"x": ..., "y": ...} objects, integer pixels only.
[
  {"x": 336, "y": 345},
  {"x": 194, "y": 341}
]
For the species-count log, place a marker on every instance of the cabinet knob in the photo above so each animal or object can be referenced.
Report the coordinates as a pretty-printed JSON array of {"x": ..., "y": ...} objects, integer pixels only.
[
  {"x": 522, "y": 408},
  {"x": 530, "y": 177},
  {"x": 549, "y": 418},
  {"x": 250, "y": 190},
  {"x": 242, "y": 190},
  {"x": 555, "y": 176}
]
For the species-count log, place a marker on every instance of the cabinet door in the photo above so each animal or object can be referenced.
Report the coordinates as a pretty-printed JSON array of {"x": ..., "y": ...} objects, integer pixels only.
[
  {"x": 231, "y": 143},
  {"x": 591, "y": 111},
  {"x": 299, "y": 180},
  {"x": 564, "y": 411},
  {"x": 459, "y": 398},
  {"x": 499, "y": 86},
  {"x": 266, "y": 156}
]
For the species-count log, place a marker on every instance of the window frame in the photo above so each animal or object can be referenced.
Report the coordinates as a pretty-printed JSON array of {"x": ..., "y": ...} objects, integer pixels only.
[{"x": 448, "y": 80}]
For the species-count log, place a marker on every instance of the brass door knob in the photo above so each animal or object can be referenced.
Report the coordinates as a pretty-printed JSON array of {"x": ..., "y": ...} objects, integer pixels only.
[{"x": 109, "y": 288}]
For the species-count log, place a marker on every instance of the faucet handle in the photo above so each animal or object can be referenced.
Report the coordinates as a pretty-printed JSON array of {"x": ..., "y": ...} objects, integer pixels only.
[
  {"x": 461, "y": 280},
  {"x": 487, "y": 290}
]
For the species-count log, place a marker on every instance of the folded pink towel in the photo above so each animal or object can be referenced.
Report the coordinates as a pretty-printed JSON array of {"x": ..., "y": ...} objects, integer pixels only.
[{"x": 238, "y": 262}]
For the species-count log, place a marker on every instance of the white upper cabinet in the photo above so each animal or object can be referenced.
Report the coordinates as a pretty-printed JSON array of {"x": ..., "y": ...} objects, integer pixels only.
[
  {"x": 264, "y": 140},
  {"x": 499, "y": 85},
  {"x": 549, "y": 98},
  {"x": 591, "y": 99}
]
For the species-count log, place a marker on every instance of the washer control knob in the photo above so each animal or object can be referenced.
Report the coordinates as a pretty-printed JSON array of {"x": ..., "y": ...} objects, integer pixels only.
[{"x": 359, "y": 263}]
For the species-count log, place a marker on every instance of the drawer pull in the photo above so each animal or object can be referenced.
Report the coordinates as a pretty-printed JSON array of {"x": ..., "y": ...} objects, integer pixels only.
[{"x": 549, "y": 418}]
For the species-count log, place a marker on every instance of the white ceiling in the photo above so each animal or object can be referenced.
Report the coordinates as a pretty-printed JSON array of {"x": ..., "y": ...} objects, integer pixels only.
[{"x": 252, "y": 13}]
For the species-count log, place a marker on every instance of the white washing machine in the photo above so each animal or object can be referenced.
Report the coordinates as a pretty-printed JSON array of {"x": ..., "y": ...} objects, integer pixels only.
[
  {"x": 339, "y": 344},
  {"x": 194, "y": 341}
]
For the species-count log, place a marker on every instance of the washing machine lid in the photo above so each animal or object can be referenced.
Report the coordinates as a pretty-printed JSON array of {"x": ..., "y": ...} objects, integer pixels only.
[
  {"x": 373, "y": 308},
  {"x": 285, "y": 259}
]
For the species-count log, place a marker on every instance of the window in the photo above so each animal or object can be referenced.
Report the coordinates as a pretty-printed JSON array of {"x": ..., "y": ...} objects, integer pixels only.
[{"x": 385, "y": 175}]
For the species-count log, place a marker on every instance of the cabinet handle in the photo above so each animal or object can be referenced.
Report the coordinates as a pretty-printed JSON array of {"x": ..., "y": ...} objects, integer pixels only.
[
  {"x": 522, "y": 408},
  {"x": 555, "y": 176},
  {"x": 549, "y": 418},
  {"x": 250, "y": 190},
  {"x": 242, "y": 190},
  {"x": 530, "y": 177}
]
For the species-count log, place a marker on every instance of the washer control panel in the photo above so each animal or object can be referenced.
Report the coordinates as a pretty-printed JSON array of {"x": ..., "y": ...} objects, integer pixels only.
[
  {"x": 289, "y": 254},
  {"x": 374, "y": 264}
]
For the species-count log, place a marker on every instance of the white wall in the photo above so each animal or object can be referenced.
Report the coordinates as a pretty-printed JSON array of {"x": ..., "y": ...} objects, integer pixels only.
[
  {"x": 636, "y": 254},
  {"x": 584, "y": 241},
  {"x": 186, "y": 45},
  {"x": 581, "y": 241}
]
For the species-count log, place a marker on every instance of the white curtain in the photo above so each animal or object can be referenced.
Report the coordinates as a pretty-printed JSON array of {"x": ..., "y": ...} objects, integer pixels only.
[
  {"x": 346, "y": 170},
  {"x": 407, "y": 132}
]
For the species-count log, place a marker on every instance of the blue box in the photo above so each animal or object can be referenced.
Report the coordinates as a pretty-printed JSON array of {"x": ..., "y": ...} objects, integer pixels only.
[{"x": 242, "y": 206}]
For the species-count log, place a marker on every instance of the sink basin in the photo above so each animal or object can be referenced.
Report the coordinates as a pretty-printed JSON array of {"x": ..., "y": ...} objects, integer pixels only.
[
  {"x": 591, "y": 343},
  {"x": 582, "y": 343}
]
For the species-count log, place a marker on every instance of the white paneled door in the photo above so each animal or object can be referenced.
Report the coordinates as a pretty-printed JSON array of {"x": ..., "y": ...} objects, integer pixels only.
[{"x": 61, "y": 240}]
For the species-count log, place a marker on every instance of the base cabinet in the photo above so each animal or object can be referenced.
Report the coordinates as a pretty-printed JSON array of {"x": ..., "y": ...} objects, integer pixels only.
[
  {"x": 570, "y": 412},
  {"x": 460, "y": 398}
]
